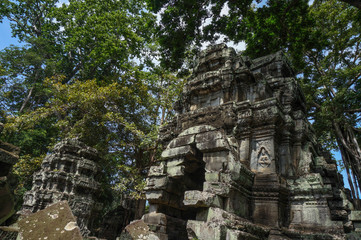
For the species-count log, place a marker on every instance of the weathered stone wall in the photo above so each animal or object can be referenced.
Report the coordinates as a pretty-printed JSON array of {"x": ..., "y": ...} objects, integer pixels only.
[
  {"x": 114, "y": 221},
  {"x": 241, "y": 160},
  {"x": 9, "y": 155}
]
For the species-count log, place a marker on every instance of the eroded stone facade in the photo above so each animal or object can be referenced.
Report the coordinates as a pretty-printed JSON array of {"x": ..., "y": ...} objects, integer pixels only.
[
  {"x": 68, "y": 173},
  {"x": 9, "y": 155},
  {"x": 241, "y": 160}
]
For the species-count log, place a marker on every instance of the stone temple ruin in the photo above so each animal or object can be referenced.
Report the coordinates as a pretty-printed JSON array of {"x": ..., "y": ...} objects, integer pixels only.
[
  {"x": 69, "y": 173},
  {"x": 241, "y": 160}
]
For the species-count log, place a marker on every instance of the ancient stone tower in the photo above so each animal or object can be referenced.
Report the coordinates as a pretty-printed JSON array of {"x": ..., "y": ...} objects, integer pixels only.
[
  {"x": 68, "y": 173},
  {"x": 241, "y": 160}
]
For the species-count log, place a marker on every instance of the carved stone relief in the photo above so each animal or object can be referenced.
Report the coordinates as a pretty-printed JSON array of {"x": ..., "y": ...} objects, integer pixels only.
[{"x": 264, "y": 158}]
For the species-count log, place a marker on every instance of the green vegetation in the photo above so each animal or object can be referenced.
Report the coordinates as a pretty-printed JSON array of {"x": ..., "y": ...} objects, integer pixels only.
[{"x": 85, "y": 70}]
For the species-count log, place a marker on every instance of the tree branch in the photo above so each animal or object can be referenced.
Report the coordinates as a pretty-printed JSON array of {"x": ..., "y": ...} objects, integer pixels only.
[
  {"x": 353, "y": 110},
  {"x": 316, "y": 105},
  {"x": 26, "y": 100}
]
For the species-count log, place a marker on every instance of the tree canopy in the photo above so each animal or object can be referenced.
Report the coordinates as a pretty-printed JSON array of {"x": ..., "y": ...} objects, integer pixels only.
[{"x": 85, "y": 70}]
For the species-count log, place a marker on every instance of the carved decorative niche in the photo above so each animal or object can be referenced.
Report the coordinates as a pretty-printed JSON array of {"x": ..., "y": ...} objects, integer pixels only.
[{"x": 264, "y": 158}]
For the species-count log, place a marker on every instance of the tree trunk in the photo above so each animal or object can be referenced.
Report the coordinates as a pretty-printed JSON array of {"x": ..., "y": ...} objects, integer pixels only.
[{"x": 351, "y": 156}]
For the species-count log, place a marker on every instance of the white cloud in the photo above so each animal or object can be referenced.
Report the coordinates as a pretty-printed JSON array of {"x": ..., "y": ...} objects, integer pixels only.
[{"x": 60, "y": 3}]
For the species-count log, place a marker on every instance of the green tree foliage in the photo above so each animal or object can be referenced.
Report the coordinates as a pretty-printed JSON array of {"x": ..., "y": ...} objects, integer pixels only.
[
  {"x": 85, "y": 71},
  {"x": 185, "y": 25},
  {"x": 332, "y": 75}
]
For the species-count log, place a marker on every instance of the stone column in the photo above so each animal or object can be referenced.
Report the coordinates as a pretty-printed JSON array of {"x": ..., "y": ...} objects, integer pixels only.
[{"x": 285, "y": 164}]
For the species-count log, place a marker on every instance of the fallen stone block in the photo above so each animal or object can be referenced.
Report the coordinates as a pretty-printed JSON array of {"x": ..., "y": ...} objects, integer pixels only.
[
  {"x": 138, "y": 230},
  {"x": 54, "y": 222}
]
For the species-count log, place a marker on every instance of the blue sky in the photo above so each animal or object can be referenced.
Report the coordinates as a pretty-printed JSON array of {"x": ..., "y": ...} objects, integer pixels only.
[{"x": 5, "y": 35}]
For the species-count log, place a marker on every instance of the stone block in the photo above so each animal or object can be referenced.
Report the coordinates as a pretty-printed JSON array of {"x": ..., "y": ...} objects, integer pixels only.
[
  {"x": 155, "y": 218},
  {"x": 233, "y": 234},
  {"x": 228, "y": 177},
  {"x": 267, "y": 213},
  {"x": 175, "y": 167},
  {"x": 355, "y": 215},
  {"x": 213, "y": 214},
  {"x": 175, "y": 162},
  {"x": 175, "y": 171},
  {"x": 157, "y": 182},
  {"x": 197, "y": 129},
  {"x": 237, "y": 203},
  {"x": 312, "y": 214},
  {"x": 208, "y": 136},
  {"x": 157, "y": 170},
  {"x": 165, "y": 223},
  {"x": 213, "y": 146},
  {"x": 178, "y": 152},
  {"x": 221, "y": 189},
  {"x": 212, "y": 176},
  {"x": 157, "y": 228},
  {"x": 157, "y": 196},
  {"x": 233, "y": 169},
  {"x": 202, "y": 199},
  {"x": 203, "y": 231},
  {"x": 216, "y": 161},
  {"x": 138, "y": 230},
  {"x": 181, "y": 141},
  {"x": 54, "y": 222}
]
